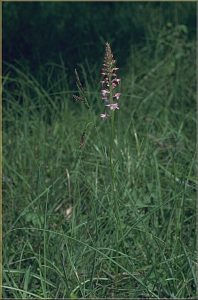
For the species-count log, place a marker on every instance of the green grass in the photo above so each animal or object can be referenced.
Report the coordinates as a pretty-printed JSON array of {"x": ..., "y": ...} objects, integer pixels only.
[{"x": 48, "y": 253}]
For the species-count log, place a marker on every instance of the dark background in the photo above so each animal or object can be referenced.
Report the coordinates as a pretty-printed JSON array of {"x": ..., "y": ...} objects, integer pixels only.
[{"x": 75, "y": 32}]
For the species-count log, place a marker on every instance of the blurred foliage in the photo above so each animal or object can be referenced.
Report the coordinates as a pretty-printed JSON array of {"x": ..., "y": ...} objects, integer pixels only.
[{"x": 38, "y": 32}]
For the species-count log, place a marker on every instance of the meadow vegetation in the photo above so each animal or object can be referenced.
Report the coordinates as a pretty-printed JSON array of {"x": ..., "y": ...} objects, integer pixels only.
[{"x": 61, "y": 236}]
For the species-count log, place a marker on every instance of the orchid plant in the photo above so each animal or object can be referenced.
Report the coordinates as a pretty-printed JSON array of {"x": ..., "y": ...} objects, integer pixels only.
[
  {"x": 109, "y": 83},
  {"x": 110, "y": 96}
]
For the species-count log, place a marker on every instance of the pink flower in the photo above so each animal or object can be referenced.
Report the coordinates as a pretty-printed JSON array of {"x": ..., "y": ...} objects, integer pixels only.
[
  {"x": 115, "y": 82},
  {"x": 117, "y": 96},
  {"x": 113, "y": 106},
  {"x": 104, "y": 94},
  {"x": 104, "y": 116}
]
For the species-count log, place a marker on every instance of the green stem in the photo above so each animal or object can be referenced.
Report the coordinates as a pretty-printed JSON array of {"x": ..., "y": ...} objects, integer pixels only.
[
  {"x": 118, "y": 225},
  {"x": 112, "y": 136},
  {"x": 113, "y": 187},
  {"x": 111, "y": 149}
]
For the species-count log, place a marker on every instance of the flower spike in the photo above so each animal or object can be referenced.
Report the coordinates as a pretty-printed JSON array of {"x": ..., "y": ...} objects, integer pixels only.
[{"x": 109, "y": 81}]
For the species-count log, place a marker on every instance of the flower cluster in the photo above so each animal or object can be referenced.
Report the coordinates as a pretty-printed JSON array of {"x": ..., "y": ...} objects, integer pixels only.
[{"x": 109, "y": 82}]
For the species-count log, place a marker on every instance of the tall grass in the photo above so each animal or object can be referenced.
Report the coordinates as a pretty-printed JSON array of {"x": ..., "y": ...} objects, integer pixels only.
[{"x": 59, "y": 224}]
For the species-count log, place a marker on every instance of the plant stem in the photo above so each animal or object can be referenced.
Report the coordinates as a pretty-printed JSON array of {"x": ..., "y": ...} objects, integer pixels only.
[
  {"x": 118, "y": 223},
  {"x": 111, "y": 150}
]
